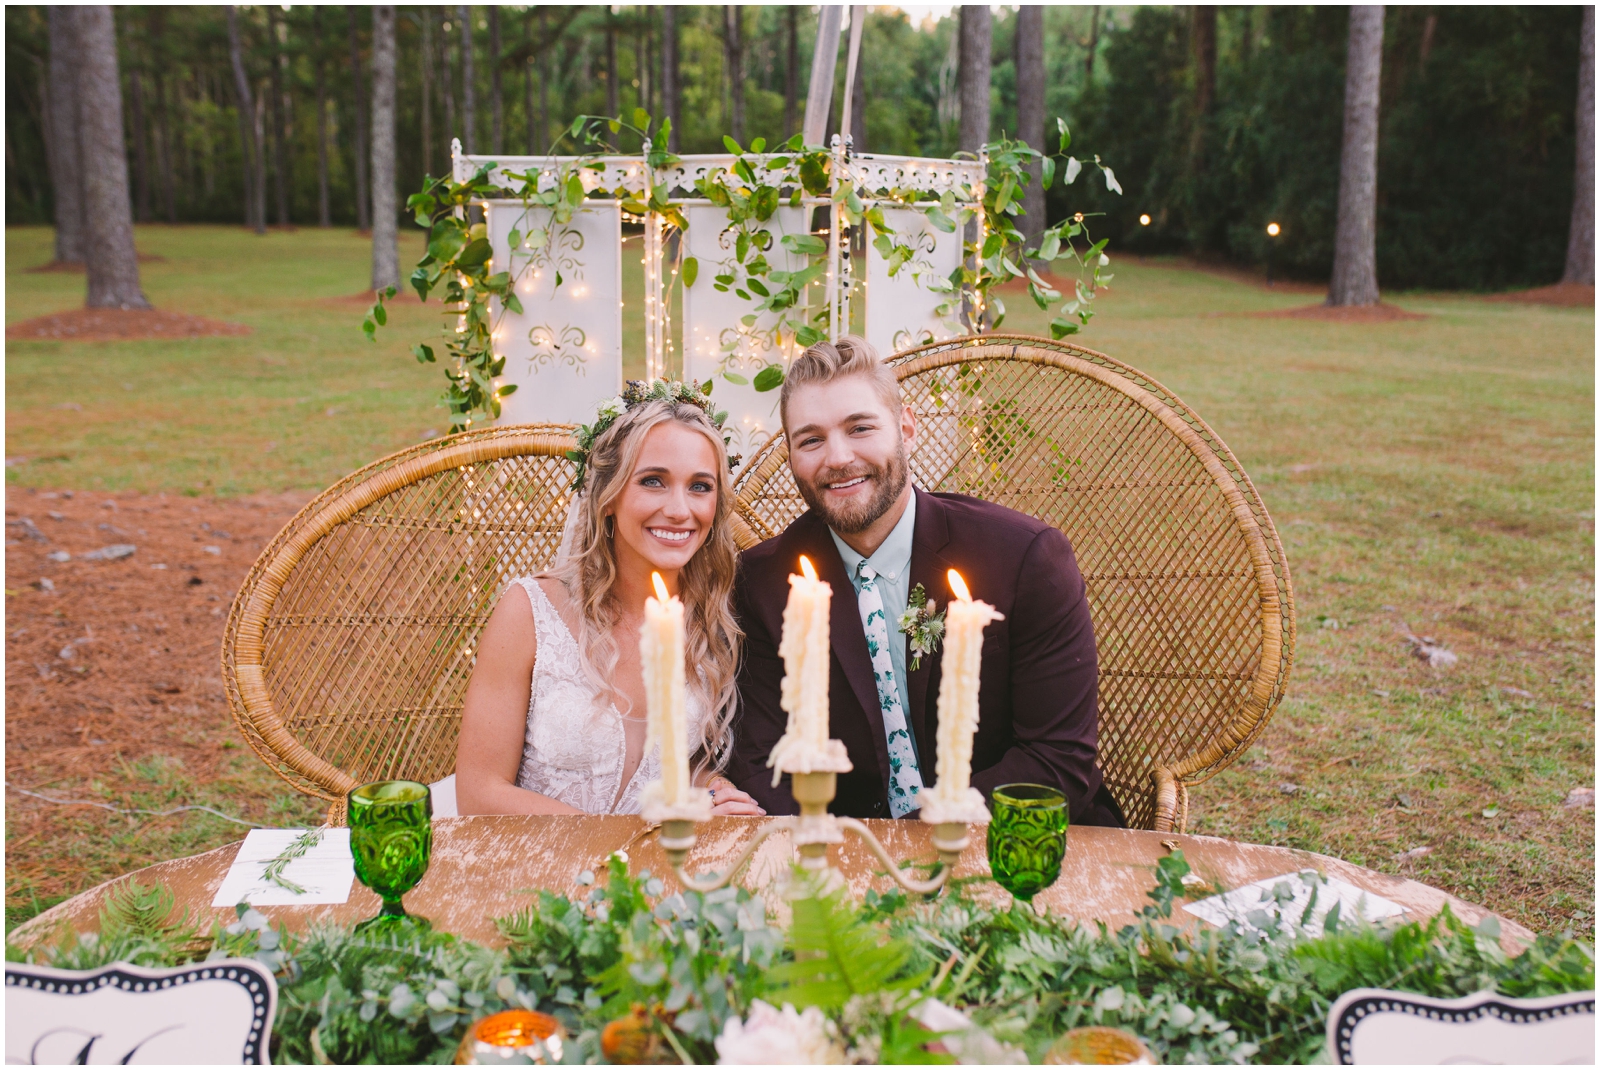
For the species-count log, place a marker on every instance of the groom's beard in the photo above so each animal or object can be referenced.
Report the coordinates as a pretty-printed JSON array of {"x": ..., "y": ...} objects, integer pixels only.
[{"x": 848, "y": 518}]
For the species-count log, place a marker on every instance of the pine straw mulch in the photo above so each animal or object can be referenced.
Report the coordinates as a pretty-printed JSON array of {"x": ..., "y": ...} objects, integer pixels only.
[
  {"x": 1379, "y": 313},
  {"x": 118, "y": 325},
  {"x": 1562, "y": 295},
  {"x": 114, "y": 689}
]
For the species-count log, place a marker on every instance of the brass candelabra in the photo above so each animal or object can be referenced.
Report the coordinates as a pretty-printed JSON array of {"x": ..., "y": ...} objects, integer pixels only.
[{"x": 812, "y": 833}]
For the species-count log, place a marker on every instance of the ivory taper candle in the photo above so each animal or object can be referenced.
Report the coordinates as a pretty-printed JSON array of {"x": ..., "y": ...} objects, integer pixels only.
[
  {"x": 661, "y": 655},
  {"x": 804, "y": 696},
  {"x": 964, "y": 622}
]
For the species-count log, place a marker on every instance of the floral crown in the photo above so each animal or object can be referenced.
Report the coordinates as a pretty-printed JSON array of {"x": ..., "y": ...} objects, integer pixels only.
[{"x": 639, "y": 392}]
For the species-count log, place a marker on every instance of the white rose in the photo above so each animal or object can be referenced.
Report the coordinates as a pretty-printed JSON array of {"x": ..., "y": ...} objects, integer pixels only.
[
  {"x": 770, "y": 1036},
  {"x": 612, "y": 407}
]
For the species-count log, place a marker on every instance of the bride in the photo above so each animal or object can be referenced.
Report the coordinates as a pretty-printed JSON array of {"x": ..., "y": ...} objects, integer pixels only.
[{"x": 554, "y": 715}]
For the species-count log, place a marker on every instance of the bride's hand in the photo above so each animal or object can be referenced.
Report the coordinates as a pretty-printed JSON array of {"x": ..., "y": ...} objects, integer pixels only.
[{"x": 727, "y": 799}]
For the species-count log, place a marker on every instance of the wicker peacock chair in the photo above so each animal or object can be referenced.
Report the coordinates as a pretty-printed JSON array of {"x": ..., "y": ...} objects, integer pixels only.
[
  {"x": 1188, "y": 587},
  {"x": 348, "y": 648}
]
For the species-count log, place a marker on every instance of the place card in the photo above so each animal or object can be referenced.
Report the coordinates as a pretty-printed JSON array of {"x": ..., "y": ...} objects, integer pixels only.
[
  {"x": 205, "y": 1013},
  {"x": 325, "y": 870},
  {"x": 1302, "y": 899}
]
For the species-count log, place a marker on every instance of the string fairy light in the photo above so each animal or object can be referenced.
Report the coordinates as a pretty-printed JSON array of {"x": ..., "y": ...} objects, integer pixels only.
[{"x": 621, "y": 176}]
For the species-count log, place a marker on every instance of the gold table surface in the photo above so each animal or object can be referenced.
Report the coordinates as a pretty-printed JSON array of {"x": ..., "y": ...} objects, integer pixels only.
[{"x": 485, "y": 867}]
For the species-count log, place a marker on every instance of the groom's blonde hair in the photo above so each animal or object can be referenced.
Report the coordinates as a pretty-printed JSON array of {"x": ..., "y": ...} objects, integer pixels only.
[{"x": 827, "y": 361}]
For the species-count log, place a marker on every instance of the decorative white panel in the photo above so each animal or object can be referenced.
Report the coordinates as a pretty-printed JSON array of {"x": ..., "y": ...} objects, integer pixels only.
[
  {"x": 564, "y": 351},
  {"x": 870, "y": 172},
  {"x": 711, "y": 322},
  {"x": 616, "y": 172},
  {"x": 875, "y": 173},
  {"x": 900, "y": 311}
]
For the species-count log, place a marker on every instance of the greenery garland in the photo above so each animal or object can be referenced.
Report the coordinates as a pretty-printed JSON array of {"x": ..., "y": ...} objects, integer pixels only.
[
  {"x": 458, "y": 254},
  {"x": 638, "y": 976}
]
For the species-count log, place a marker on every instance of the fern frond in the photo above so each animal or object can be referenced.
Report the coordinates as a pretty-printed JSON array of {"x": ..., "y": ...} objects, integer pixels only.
[
  {"x": 136, "y": 916},
  {"x": 839, "y": 954}
]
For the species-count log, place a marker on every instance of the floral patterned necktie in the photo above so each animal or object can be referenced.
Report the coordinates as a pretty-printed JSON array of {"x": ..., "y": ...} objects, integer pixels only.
[{"x": 905, "y": 779}]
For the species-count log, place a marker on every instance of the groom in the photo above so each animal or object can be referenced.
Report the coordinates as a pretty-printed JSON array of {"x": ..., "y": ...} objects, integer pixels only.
[{"x": 876, "y": 538}]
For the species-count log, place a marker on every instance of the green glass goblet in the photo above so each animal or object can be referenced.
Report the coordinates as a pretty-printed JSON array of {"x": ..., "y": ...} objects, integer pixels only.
[
  {"x": 1027, "y": 837},
  {"x": 391, "y": 838}
]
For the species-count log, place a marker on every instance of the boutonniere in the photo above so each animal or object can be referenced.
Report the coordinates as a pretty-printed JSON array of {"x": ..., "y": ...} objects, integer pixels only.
[{"x": 922, "y": 627}]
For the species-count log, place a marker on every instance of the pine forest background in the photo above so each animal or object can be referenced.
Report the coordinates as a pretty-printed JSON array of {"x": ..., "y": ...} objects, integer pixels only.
[{"x": 1217, "y": 120}]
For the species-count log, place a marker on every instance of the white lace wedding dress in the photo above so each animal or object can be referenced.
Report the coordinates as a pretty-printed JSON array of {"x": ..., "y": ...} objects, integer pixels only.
[{"x": 574, "y": 745}]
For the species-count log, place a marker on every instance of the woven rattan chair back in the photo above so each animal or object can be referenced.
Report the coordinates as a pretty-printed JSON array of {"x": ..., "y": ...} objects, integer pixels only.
[
  {"x": 1188, "y": 587},
  {"x": 350, "y": 644}
]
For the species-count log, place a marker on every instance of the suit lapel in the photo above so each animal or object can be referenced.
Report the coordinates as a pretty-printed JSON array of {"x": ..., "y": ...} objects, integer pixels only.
[
  {"x": 848, "y": 637},
  {"x": 929, "y": 568}
]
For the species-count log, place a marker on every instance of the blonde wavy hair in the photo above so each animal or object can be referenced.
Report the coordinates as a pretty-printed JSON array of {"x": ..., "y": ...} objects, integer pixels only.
[{"x": 712, "y": 636}]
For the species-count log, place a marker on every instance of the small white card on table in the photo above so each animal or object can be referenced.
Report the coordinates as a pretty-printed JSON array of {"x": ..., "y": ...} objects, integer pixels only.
[
  {"x": 1303, "y": 899},
  {"x": 324, "y": 870}
]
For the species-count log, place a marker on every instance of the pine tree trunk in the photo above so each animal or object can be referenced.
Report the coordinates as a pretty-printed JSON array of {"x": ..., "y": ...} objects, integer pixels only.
[
  {"x": 158, "y": 84},
  {"x": 280, "y": 135},
  {"x": 469, "y": 83},
  {"x": 669, "y": 74},
  {"x": 1203, "y": 62},
  {"x": 263, "y": 90},
  {"x": 385, "y": 214},
  {"x": 66, "y": 162},
  {"x": 497, "y": 117},
  {"x": 733, "y": 51},
  {"x": 112, "y": 262},
  {"x": 1093, "y": 45},
  {"x": 1355, "y": 252},
  {"x": 247, "y": 126},
  {"x": 1203, "y": 44},
  {"x": 973, "y": 74},
  {"x": 141, "y": 148},
  {"x": 791, "y": 71},
  {"x": 359, "y": 84},
  {"x": 1580, "y": 238},
  {"x": 1030, "y": 110},
  {"x": 448, "y": 84},
  {"x": 641, "y": 60},
  {"x": 320, "y": 71},
  {"x": 427, "y": 90}
]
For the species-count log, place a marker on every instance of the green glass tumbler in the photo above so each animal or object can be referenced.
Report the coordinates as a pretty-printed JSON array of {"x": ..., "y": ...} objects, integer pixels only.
[
  {"x": 1027, "y": 837},
  {"x": 391, "y": 839}
]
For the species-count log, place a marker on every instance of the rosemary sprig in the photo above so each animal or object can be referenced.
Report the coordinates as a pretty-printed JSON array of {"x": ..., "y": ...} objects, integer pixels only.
[{"x": 273, "y": 873}]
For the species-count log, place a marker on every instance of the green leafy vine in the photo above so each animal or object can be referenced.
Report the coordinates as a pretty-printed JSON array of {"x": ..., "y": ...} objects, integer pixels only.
[{"x": 458, "y": 262}]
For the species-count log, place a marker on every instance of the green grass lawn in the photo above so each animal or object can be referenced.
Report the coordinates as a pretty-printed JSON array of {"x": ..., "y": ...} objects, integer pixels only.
[{"x": 1432, "y": 474}]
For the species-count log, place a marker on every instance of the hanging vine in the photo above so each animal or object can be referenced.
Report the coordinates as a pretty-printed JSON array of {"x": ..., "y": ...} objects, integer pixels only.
[{"x": 751, "y": 190}]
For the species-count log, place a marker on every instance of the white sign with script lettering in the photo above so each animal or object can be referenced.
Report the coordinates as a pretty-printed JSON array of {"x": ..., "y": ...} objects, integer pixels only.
[{"x": 208, "y": 1012}]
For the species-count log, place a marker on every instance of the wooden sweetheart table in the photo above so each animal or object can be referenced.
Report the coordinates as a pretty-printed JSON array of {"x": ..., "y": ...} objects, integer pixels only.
[{"x": 485, "y": 867}]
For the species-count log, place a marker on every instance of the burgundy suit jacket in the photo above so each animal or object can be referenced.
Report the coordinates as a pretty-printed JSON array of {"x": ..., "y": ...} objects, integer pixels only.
[{"x": 1037, "y": 699}]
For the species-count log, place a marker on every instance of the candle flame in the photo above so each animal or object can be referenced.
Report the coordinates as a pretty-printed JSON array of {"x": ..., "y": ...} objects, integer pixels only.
[
  {"x": 805, "y": 567},
  {"x": 959, "y": 586},
  {"x": 661, "y": 587}
]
